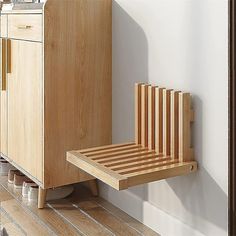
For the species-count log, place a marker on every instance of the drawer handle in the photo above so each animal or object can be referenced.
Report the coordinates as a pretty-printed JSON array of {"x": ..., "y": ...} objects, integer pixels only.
[{"x": 24, "y": 26}]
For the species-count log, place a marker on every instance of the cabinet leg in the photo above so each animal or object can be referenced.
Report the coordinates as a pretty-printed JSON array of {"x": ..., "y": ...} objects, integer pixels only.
[
  {"x": 93, "y": 186},
  {"x": 41, "y": 197}
]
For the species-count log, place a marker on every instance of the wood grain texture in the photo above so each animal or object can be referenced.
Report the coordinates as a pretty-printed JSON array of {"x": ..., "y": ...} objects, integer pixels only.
[
  {"x": 3, "y": 29},
  {"x": 25, "y": 118},
  {"x": 27, "y": 26},
  {"x": 24, "y": 219},
  {"x": 77, "y": 83}
]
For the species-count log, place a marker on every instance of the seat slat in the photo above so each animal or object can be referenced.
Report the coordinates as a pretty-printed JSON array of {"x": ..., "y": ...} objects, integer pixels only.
[
  {"x": 88, "y": 150},
  {"x": 146, "y": 167},
  {"x": 115, "y": 159},
  {"x": 111, "y": 150},
  {"x": 140, "y": 163}
]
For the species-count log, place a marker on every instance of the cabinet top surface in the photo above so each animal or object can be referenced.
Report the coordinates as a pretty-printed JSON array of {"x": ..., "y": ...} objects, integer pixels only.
[{"x": 30, "y": 8}]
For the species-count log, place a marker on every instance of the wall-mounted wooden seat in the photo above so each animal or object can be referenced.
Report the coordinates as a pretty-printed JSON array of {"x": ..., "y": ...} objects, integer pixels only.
[{"x": 162, "y": 146}]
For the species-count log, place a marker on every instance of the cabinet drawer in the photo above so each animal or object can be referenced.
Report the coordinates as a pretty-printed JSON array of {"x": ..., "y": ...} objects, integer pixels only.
[
  {"x": 3, "y": 25},
  {"x": 27, "y": 27}
]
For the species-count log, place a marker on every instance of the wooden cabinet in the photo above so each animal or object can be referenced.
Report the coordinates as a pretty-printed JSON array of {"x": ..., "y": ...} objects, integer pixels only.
[{"x": 55, "y": 87}]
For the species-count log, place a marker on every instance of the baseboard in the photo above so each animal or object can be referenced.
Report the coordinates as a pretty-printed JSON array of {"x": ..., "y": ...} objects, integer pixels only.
[{"x": 143, "y": 211}]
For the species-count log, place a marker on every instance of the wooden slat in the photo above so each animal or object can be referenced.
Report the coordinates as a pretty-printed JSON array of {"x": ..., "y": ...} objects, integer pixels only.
[
  {"x": 166, "y": 122},
  {"x": 147, "y": 166},
  {"x": 132, "y": 159},
  {"x": 111, "y": 150},
  {"x": 144, "y": 115},
  {"x": 151, "y": 117},
  {"x": 185, "y": 152},
  {"x": 125, "y": 157},
  {"x": 159, "y": 173},
  {"x": 119, "y": 153},
  {"x": 104, "y": 174},
  {"x": 159, "y": 120},
  {"x": 174, "y": 124},
  {"x": 137, "y": 101},
  {"x": 141, "y": 163},
  {"x": 88, "y": 150}
]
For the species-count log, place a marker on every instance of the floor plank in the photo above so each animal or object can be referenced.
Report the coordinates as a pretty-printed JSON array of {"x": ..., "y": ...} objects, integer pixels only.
[
  {"x": 143, "y": 229},
  {"x": 48, "y": 216},
  {"x": 80, "y": 214},
  {"x": 24, "y": 219},
  {"x": 85, "y": 224}
]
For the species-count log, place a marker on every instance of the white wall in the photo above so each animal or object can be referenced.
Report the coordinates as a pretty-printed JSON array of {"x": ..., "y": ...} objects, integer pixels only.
[{"x": 180, "y": 44}]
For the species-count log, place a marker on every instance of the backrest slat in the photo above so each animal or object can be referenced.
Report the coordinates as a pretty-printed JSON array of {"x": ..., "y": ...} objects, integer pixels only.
[
  {"x": 144, "y": 115},
  {"x": 162, "y": 121},
  {"x": 151, "y": 117},
  {"x": 159, "y": 120},
  {"x": 137, "y": 102}
]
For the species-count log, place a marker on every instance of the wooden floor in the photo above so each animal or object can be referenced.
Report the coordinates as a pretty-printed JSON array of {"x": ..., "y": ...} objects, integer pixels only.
[{"x": 79, "y": 214}]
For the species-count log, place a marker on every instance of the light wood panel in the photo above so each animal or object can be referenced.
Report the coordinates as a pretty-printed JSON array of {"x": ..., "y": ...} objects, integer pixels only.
[
  {"x": 3, "y": 99},
  {"x": 77, "y": 75},
  {"x": 25, "y": 105},
  {"x": 27, "y": 26},
  {"x": 3, "y": 30}
]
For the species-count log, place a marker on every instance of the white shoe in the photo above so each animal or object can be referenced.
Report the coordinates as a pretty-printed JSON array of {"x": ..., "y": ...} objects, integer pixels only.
[
  {"x": 33, "y": 193},
  {"x": 26, "y": 187},
  {"x": 19, "y": 179},
  {"x": 11, "y": 174},
  {"x": 59, "y": 193},
  {"x": 5, "y": 167}
]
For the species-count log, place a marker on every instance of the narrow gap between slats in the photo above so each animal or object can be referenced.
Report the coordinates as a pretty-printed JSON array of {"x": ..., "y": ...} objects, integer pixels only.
[
  {"x": 125, "y": 157},
  {"x": 141, "y": 163}
]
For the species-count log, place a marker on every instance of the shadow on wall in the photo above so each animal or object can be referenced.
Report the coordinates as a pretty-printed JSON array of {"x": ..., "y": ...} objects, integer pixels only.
[
  {"x": 199, "y": 197},
  {"x": 129, "y": 67}
]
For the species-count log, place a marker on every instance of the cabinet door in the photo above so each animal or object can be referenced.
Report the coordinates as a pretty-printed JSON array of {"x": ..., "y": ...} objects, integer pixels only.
[
  {"x": 3, "y": 98},
  {"x": 25, "y": 103}
]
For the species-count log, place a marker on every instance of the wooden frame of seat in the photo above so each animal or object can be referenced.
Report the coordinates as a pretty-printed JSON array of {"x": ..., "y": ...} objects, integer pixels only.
[{"x": 162, "y": 146}]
